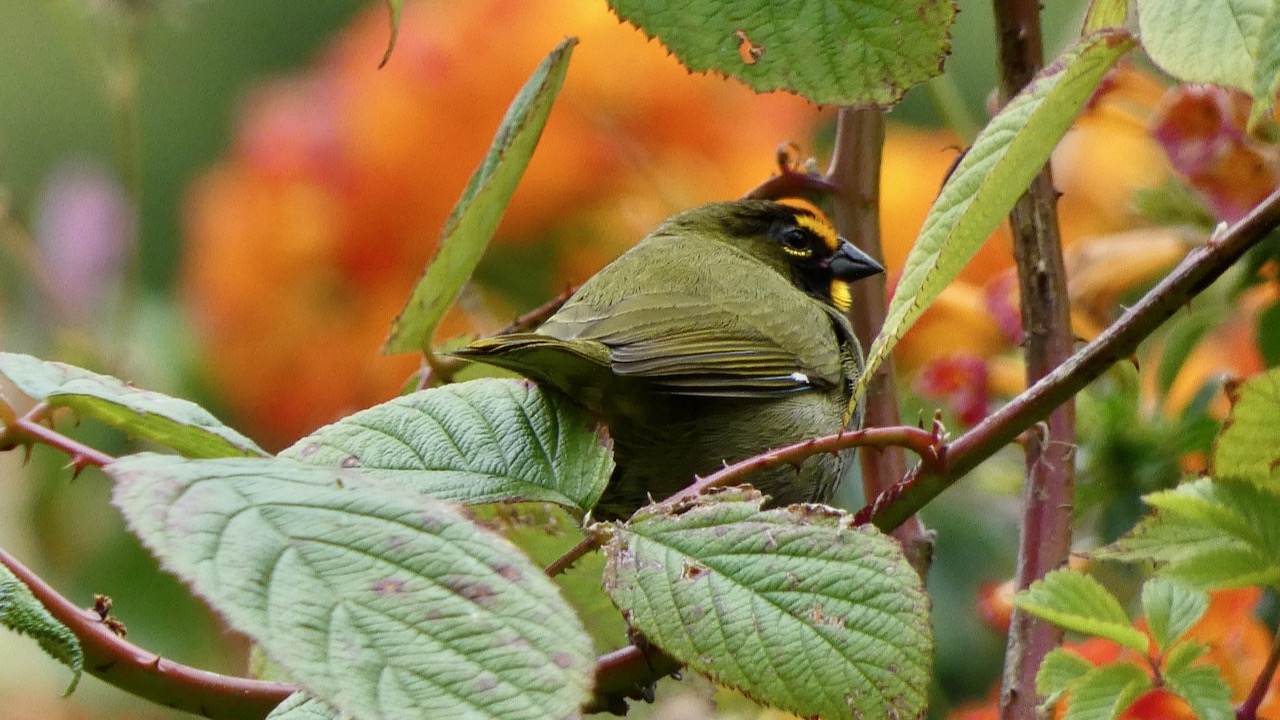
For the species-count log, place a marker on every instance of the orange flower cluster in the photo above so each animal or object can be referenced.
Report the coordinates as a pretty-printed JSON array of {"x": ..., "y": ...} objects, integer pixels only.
[
  {"x": 303, "y": 244},
  {"x": 1238, "y": 646}
]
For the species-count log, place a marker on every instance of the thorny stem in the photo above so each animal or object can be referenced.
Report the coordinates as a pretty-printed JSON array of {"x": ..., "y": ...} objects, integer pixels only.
[
  {"x": 1118, "y": 341},
  {"x": 855, "y": 211},
  {"x": 574, "y": 554},
  {"x": 1047, "y": 341},
  {"x": 114, "y": 660},
  {"x": 928, "y": 445},
  {"x": 1248, "y": 709},
  {"x": 27, "y": 429}
]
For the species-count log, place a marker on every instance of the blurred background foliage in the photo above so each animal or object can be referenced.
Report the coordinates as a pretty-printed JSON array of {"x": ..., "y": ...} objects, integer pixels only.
[{"x": 229, "y": 201}]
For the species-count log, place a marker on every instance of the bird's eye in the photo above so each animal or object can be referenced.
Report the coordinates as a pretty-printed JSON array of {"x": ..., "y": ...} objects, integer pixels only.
[{"x": 796, "y": 242}]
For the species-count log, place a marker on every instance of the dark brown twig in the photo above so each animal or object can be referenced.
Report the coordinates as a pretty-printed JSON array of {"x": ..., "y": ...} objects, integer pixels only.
[
  {"x": 116, "y": 661},
  {"x": 1248, "y": 709},
  {"x": 574, "y": 554}
]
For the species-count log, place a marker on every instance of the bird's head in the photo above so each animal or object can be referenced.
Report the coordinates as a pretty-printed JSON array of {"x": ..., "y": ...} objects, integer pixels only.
[{"x": 791, "y": 236}]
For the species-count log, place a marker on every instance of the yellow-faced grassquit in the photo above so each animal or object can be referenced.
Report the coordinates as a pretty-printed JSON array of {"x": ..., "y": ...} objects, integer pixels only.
[{"x": 721, "y": 335}]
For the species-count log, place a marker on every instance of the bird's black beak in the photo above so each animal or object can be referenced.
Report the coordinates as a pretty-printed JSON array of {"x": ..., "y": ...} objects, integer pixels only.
[{"x": 849, "y": 263}]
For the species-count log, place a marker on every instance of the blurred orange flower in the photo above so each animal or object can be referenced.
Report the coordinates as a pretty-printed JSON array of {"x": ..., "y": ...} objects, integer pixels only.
[{"x": 303, "y": 244}]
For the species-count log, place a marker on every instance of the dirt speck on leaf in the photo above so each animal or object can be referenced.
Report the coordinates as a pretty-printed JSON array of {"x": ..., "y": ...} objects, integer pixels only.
[{"x": 747, "y": 50}]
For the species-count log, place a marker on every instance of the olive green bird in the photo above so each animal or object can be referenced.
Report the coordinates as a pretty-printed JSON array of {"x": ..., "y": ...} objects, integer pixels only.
[{"x": 721, "y": 335}]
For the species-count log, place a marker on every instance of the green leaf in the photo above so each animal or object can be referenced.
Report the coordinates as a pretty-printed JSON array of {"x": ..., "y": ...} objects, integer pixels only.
[
  {"x": 1105, "y": 14},
  {"x": 1059, "y": 672},
  {"x": 474, "y": 442},
  {"x": 1248, "y": 448},
  {"x": 22, "y": 613},
  {"x": 1266, "y": 333},
  {"x": 476, "y": 216},
  {"x": 300, "y": 706},
  {"x": 1205, "y": 41},
  {"x": 1106, "y": 692},
  {"x": 395, "y": 6},
  {"x": 1207, "y": 534},
  {"x": 834, "y": 52},
  {"x": 379, "y": 601},
  {"x": 1183, "y": 654},
  {"x": 178, "y": 424},
  {"x": 1204, "y": 690},
  {"x": 1266, "y": 81},
  {"x": 988, "y": 180},
  {"x": 1171, "y": 609},
  {"x": 795, "y": 606},
  {"x": 1075, "y": 601}
]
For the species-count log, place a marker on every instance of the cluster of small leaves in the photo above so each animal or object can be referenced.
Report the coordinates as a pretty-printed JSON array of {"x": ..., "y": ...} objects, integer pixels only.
[
  {"x": 1223, "y": 530},
  {"x": 1163, "y": 656}
]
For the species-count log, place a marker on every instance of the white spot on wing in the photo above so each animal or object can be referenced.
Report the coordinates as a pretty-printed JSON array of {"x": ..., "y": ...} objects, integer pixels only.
[{"x": 799, "y": 377}]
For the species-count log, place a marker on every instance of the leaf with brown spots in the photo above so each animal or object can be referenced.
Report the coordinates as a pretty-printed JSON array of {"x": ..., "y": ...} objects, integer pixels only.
[
  {"x": 795, "y": 606},
  {"x": 475, "y": 442},
  {"x": 379, "y": 601}
]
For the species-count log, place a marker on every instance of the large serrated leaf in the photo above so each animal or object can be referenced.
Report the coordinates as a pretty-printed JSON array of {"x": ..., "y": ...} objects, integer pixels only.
[
  {"x": 300, "y": 706},
  {"x": 381, "y": 602},
  {"x": 990, "y": 178},
  {"x": 838, "y": 52},
  {"x": 1171, "y": 608},
  {"x": 1207, "y": 534},
  {"x": 794, "y": 606},
  {"x": 1248, "y": 448},
  {"x": 178, "y": 424},
  {"x": 481, "y": 441},
  {"x": 1266, "y": 82},
  {"x": 1204, "y": 690},
  {"x": 1206, "y": 41},
  {"x": 1075, "y": 601},
  {"x": 1106, "y": 691},
  {"x": 476, "y": 216},
  {"x": 21, "y": 612}
]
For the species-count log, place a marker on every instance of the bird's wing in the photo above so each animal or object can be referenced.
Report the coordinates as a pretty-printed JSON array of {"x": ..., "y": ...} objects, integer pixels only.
[{"x": 688, "y": 345}]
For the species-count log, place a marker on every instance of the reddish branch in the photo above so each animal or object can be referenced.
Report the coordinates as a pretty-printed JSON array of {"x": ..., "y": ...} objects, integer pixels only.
[
  {"x": 855, "y": 210},
  {"x": 1248, "y": 710},
  {"x": 116, "y": 661},
  {"x": 1047, "y": 341},
  {"x": 27, "y": 429}
]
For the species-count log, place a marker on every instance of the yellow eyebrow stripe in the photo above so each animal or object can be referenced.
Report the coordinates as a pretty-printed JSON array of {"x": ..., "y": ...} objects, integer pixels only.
[{"x": 820, "y": 227}]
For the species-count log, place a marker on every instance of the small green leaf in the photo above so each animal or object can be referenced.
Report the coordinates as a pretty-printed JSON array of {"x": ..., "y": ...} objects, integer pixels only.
[
  {"x": 476, "y": 216},
  {"x": 300, "y": 706},
  {"x": 990, "y": 178},
  {"x": 880, "y": 48},
  {"x": 1204, "y": 690},
  {"x": 1107, "y": 691},
  {"x": 475, "y": 442},
  {"x": 1171, "y": 609},
  {"x": 379, "y": 601},
  {"x": 1207, "y": 534},
  {"x": 1059, "y": 672},
  {"x": 1205, "y": 41},
  {"x": 1076, "y": 602},
  {"x": 395, "y": 6},
  {"x": 178, "y": 424},
  {"x": 795, "y": 606},
  {"x": 1248, "y": 448},
  {"x": 1183, "y": 654},
  {"x": 22, "y": 613},
  {"x": 1105, "y": 14}
]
